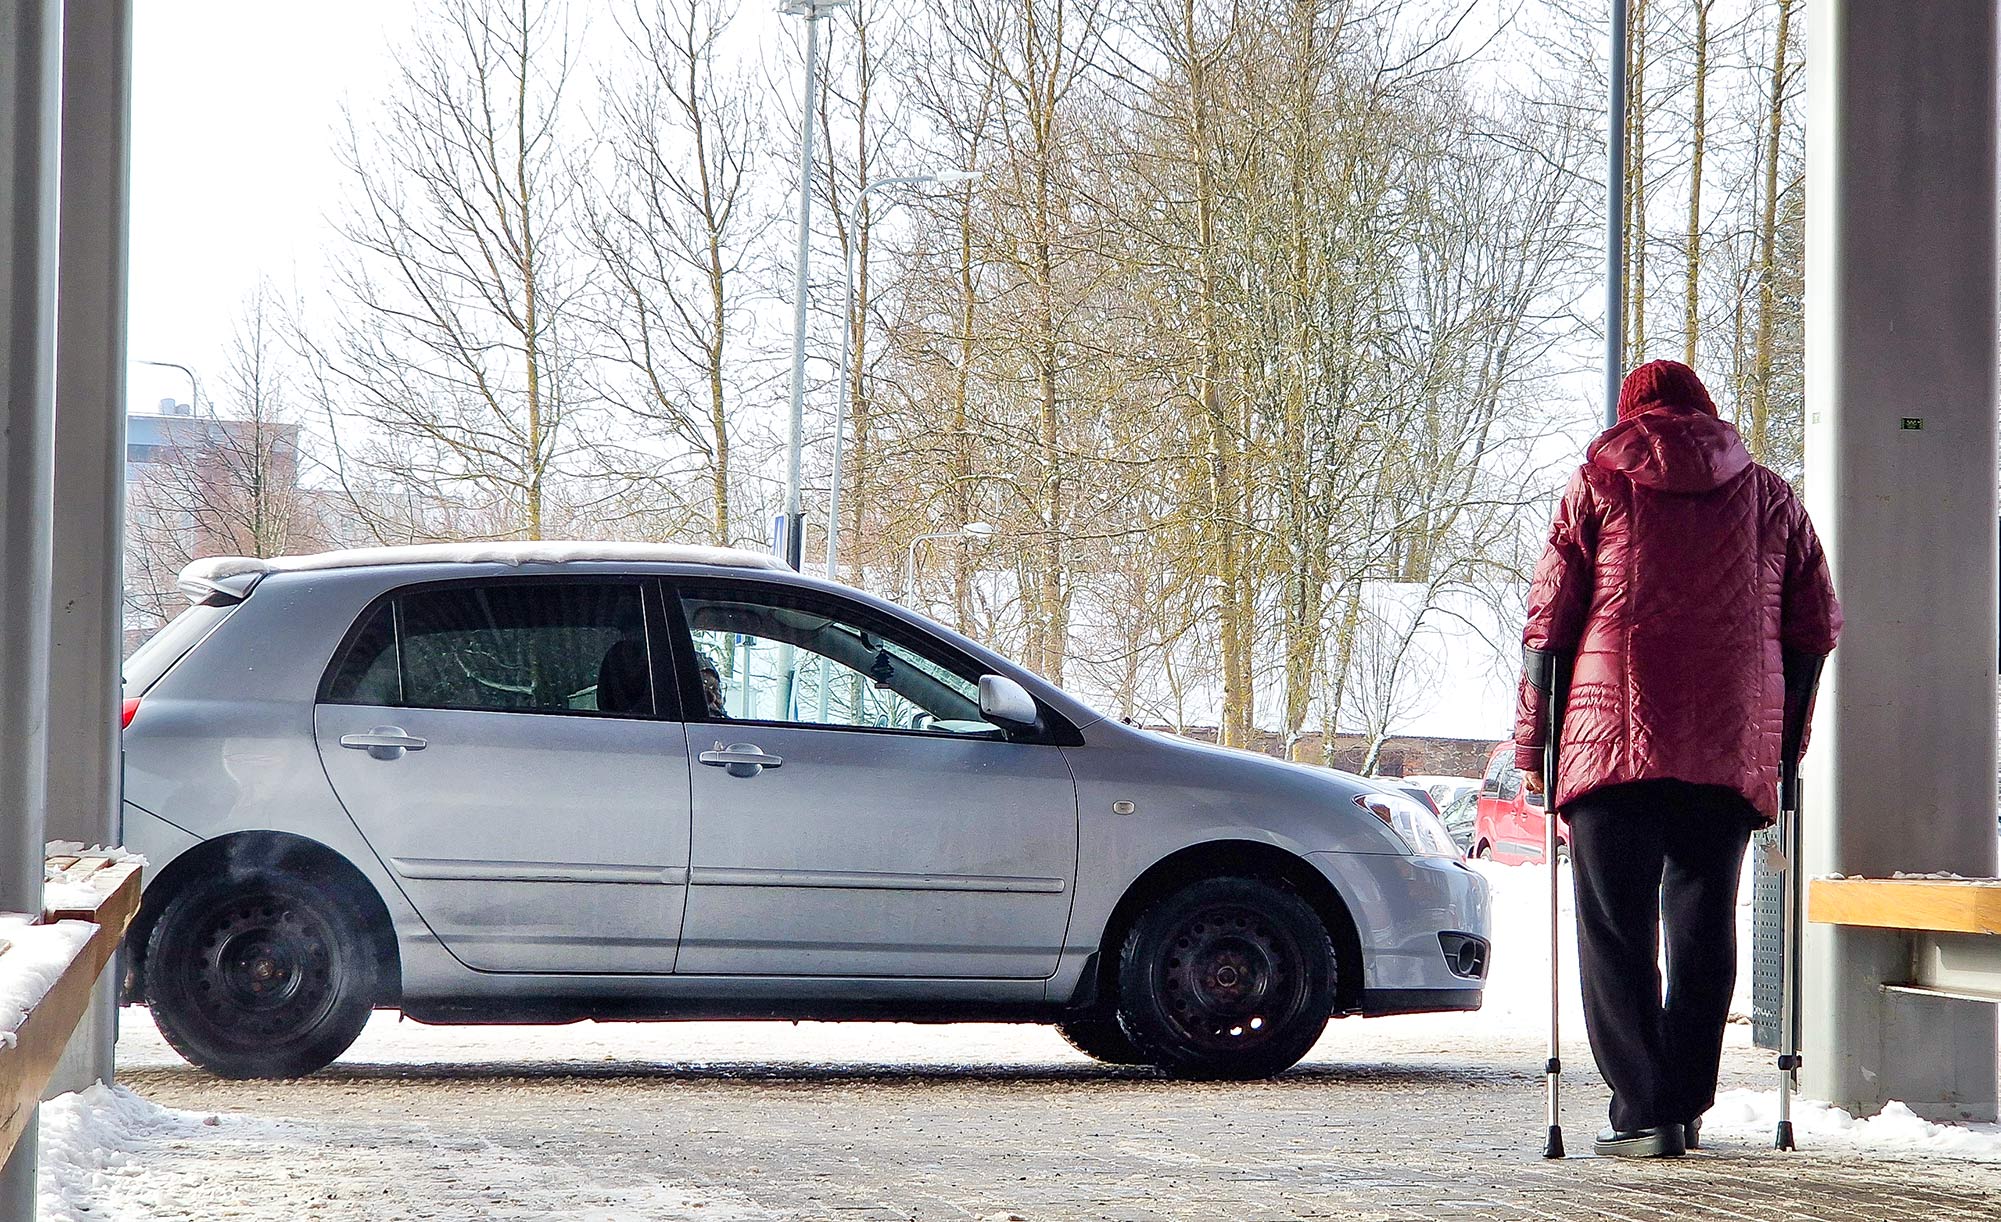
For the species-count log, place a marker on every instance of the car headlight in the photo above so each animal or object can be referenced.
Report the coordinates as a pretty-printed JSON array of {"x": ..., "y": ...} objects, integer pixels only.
[{"x": 1421, "y": 831}]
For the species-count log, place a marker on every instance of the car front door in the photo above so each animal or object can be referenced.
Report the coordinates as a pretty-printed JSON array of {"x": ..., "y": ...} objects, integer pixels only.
[
  {"x": 501, "y": 746},
  {"x": 853, "y": 815}
]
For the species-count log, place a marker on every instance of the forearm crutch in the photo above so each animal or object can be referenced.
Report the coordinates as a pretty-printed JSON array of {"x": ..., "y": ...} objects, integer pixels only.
[
  {"x": 1549, "y": 673},
  {"x": 1802, "y": 676}
]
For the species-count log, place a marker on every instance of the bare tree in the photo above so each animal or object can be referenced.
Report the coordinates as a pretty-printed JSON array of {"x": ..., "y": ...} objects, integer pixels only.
[
  {"x": 226, "y": 482},
  {"x": 676, "y": 235},
  {"x": 454, "y": 336}
]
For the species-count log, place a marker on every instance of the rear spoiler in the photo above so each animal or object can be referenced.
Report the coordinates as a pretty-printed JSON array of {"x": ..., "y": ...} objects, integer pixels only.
[{"x": 221, "y": 591}]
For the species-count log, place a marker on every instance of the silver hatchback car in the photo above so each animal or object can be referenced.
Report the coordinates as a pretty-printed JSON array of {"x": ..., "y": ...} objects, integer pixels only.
[{"x": 549, "y": 782}]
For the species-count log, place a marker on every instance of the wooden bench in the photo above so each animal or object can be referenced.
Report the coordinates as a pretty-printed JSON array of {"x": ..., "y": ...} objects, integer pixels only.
[
  {"x": 94, "y": 887},
  {"x": 1954, "y": 926}
]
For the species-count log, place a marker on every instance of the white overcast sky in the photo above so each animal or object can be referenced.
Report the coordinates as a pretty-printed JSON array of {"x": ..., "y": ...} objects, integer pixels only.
[{"x": 232, "y": 171}]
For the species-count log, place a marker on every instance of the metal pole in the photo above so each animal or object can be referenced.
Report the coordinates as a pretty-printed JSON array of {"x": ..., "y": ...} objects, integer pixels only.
[
  {"x": 794, "y": 521},
  {"x": 1615, "y": 219},
  {"x": 86, "y": 638},
  {"x": 30, "y": 70},
  {"x": 194, "y": 387},
  {"x": 848, "y": 325}
]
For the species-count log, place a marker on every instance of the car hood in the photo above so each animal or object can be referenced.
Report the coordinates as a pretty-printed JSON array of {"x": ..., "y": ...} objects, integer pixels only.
[{"x": 1300, "y": 801}]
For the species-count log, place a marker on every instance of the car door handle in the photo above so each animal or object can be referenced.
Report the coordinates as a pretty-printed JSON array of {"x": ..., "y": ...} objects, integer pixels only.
[
  {"x": 739, "y": 759},
  {"x": 383, "y": 742}
]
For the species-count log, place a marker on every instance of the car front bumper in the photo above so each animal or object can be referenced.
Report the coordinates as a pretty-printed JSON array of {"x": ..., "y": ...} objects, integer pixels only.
[{"x": 1401, "y": 905}]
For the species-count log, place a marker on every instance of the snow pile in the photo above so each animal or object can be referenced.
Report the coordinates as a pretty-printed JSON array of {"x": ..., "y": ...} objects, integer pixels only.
[
  {"x": 112, "y": 853},
  {"x": 101, "y": 1140},
  {"x": 68, "y": 897},
  {"x": 32, "y": 959},
  {"x": 1896, "y": 1129}
]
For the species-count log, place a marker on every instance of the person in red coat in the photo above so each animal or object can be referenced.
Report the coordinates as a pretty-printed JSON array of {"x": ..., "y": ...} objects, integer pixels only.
[{"x": 1684, "y": 582}]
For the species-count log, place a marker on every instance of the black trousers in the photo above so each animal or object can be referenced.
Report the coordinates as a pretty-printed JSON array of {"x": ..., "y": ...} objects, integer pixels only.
[{"x": 1648, "y": 855}]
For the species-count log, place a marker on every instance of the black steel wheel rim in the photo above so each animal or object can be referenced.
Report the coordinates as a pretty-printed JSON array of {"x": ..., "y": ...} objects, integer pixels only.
[
  {"x": 1231, "y": 979},
  {"x": 264, "y": 969}
]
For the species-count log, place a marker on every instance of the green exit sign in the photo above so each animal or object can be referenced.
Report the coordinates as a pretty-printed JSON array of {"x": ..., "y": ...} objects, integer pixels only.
[{"x": 1913, "y": 423}]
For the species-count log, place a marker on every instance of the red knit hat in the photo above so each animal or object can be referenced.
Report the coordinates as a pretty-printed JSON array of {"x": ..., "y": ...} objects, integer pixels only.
[{"x": 1668, "y": 384}]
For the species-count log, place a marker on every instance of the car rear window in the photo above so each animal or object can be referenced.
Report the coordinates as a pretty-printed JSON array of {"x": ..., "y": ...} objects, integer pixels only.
[
  {"x": 569, "y": 647},
  {"x": 170, "y": 644}
]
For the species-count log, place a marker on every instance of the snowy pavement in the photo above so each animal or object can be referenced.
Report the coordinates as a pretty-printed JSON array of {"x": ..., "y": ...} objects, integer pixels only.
[{"x": 1435, "y": 1116}]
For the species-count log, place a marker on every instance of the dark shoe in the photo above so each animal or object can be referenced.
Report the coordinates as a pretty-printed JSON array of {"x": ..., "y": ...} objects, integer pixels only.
[
  {"x": 1691, "y": 1134},
  {"x": 1661, "y": 1141}
]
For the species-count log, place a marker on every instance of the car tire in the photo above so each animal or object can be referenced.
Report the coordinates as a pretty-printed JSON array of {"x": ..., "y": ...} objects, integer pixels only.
[
  {"x": 1227, "y": 978},
  {"x": 1101, "y": 1038},
  {"x": 260, "y": 975},
  {"x": 1483, "y": 852}
]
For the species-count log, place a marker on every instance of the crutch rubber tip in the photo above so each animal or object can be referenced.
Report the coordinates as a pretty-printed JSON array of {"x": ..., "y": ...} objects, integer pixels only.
[
  {"x": 1783, "y": 1139},
  {"x": 1553, "y": 1148}
]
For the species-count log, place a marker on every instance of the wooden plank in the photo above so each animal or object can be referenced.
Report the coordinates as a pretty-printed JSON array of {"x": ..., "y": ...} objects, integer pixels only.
[
  {"x": 117, "y": 883},
  {"x": 1940, "y": 904},
  {"x": 39, "y": 1041}
]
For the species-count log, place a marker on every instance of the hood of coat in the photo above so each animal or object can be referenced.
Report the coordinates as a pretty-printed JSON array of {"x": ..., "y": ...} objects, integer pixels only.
[{"x": 1672, "y": 450}]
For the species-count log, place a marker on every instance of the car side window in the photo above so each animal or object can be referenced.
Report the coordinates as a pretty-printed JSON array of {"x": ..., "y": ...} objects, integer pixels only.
[
  {"x": 560, "y": 647},
  {"x": 1511, "y": 782},
  {"x": 794, "y": 657},
  {"x": 1491, "y": 785}
]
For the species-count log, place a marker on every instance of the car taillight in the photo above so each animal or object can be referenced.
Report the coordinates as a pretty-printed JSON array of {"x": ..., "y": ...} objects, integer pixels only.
[{"x": 126, "y": 710}]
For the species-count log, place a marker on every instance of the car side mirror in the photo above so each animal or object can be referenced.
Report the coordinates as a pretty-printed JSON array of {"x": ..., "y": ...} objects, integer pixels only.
[{"x": 1007, "y": 703}]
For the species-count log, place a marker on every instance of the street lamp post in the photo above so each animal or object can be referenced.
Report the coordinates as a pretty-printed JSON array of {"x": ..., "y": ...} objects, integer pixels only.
[
  {"x": 812, "y": 11},
  {"x": 971, "y": 532},
  {"x": 941, "y": 178},
  {"x": 194, "y": 387}
]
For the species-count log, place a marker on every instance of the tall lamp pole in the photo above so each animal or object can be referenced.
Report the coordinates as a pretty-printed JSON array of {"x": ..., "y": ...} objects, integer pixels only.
[
  {"x": 812, "y": 11},
  {"x": 1615, "y": 218},
  {"x": 941, "y": 178}
]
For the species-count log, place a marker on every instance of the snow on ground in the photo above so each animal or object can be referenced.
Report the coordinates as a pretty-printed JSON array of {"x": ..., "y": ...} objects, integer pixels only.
[
  {"x": 108, "y": 1154},
  {"x": 1754, "y": 1114}
]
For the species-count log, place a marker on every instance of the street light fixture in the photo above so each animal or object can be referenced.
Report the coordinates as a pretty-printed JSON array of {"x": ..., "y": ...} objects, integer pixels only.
[
  {"x": 194, "y": 387},
  {"x": 971, "y": 532},
  {"x": 942, "y": 178},
  {"x": 812, "y": 11}
]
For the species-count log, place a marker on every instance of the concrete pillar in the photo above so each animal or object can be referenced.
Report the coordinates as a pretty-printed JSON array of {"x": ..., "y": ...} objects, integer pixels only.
[
  {"x": 1901, "y": 483},
  {"x": 29, "y": 41},
  {"x": 86, "y": 637}
]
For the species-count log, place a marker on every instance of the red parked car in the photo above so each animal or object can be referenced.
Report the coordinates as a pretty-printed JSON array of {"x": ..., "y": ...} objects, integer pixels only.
[{"x": 1509, "y": 825}]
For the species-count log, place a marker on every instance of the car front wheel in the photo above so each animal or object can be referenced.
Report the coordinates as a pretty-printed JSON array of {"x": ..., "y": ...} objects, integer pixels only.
[
  {"x": 1101, "y": 1038},
  {"x": 264, "y": 975},
  {"x": 1227, "y": 978}
]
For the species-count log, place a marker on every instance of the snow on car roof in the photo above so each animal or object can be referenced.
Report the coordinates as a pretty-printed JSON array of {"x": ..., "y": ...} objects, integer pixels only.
[{"x": 212, "y": 572}]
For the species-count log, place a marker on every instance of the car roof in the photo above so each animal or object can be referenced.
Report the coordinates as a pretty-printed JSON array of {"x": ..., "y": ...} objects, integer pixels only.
[{"x": 236, "y": 574}]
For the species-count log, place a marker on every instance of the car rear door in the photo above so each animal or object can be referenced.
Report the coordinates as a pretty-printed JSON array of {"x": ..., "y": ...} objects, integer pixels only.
[
  {"x": 853, "y": 816},
  {"x": 507, "y": 750}
]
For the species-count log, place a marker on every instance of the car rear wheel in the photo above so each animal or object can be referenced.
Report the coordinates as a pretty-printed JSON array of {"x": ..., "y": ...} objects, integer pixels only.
[
  {"x": 260, "y": 976},
  {"x": 1102, "y": 1038},
  {"x": 1227, "y": 978}
]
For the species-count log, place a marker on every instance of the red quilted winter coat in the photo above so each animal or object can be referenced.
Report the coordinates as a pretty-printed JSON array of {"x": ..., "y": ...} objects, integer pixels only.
[{"x": 1677, "y": 572}]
